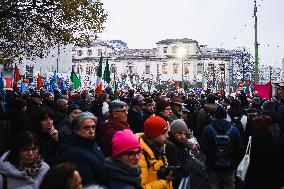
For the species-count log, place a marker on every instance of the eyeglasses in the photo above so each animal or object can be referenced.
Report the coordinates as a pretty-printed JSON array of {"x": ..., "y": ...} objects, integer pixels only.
[
  {"x": 133, "y": 154},
  {"x": 27, "y": 150}
]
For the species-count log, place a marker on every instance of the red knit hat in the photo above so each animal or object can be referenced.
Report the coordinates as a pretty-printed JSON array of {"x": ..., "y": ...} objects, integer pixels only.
[
  {"x": 123, "y": 141},
  {"x": 155, "y": 126}
]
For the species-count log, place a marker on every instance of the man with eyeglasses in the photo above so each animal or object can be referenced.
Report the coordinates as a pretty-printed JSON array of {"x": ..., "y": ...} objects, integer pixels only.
[
  {"x": 116, "y": 122},
  {"x": 82, "y": 149}
]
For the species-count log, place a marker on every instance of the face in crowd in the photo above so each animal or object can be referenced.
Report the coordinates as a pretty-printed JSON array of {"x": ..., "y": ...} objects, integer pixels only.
[
  {"x": 167, "y": 112},
  {"x": 87, "y": 129},
  {"x": 130, "y": 157},
  {"x": 150, "y": 107},
  {"x": 74, "y": 114},
  {"x": 28, "y": 155},
  {"x": 180, "y": 136},
  {"x": 121, "y": 114},
  {"x": 47, "y": 124},
  {"x": 161, "y": 140}
]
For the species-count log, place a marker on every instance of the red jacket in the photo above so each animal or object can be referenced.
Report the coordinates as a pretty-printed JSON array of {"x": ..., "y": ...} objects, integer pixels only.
[{"x": 106, "y": 132}]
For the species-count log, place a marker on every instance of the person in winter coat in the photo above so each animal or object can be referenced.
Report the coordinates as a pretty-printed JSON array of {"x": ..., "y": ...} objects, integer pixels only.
[
  {"x": 224, "y": 155},
  {"x": 149, "y": 108},
  {"x": 116, "y": 122},
  {"x": 179, "y": 153},
  {"x": 66, "y": 125},
  {"x": 62, "y": 176},
  {"x": 205, "y": 115},
  {"x": 22, "y": 167},
  {"x": 43, "y": 126},
  {"x": 153, "y": 161},
  {"x": 135, "y": 116},
  {"x": 264, "y": 167},
  {"x": 82, "y": 150},
  {"x": 164, "y": 110},
  {"x": 122, "y": 167}
]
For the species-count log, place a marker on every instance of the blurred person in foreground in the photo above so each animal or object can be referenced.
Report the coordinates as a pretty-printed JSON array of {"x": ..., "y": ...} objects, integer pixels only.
[{"x": 122, "y": 167}]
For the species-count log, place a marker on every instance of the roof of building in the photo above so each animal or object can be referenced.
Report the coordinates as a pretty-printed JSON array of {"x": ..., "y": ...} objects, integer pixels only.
[{"x": 170, "y": 41}]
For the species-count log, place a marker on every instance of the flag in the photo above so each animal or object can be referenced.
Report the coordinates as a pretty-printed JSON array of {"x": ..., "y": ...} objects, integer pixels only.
[
  {"x": 264, "y": 90},
  {"x": 17, "y": 77},
  {"x": 38, "y": 82},
  {"x": 115, "y": 94},
  {"x": 2, "y": 92},
  {"x": 75, "y": 80},
  {"x": 107, "y": 73},
  {"x": 54, "y": 84},
  {"x": 99, "y": 87},
  {"x": 8, "y": 83},
  {"x": 63, "y": 86},
  {"x": 23, "y": 87}
]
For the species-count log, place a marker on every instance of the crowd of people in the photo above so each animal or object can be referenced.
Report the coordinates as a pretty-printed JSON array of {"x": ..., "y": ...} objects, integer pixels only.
[{"x": 140, "y": 140}]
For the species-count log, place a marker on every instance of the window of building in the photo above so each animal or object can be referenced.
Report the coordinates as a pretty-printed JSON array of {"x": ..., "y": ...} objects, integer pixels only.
[
  {"x": 89, "y": 70},
  {"x": 174, "y": 49},
  {"x": 175, "y": 68},
  {"x": 99, "y": 52},
  {"x": 165, "y": 49},
  {"x": 199, "y": 68},
  {"x": 164, "y": 68},
  {"x": 90, "y": 52},
  {"x": 79, "y": 52},
  {"x": 186, "y": 69},
  {"x": 147, "y": 71}
]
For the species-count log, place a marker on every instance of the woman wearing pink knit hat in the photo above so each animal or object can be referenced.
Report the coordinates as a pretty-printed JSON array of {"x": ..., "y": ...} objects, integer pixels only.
[{"x": 122, "y": 167}]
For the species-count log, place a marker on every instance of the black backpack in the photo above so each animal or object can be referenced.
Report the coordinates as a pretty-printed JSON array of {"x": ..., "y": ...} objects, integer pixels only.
[{"x": 223, "y": 150}]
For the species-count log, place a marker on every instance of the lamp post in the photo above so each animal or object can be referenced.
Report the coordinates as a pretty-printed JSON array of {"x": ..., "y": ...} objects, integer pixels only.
[{"x": 181, "y": 52}]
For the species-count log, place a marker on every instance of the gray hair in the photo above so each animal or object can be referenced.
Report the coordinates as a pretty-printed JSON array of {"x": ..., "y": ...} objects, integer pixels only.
[
  {"x": 116, "y": 104},
  {"x": 76, "y": 123},
  {"x": 61, "y": 102}
]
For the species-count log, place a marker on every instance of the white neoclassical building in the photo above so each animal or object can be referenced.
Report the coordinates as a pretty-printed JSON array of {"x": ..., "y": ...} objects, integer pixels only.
[{"x": 171, "y": 60}]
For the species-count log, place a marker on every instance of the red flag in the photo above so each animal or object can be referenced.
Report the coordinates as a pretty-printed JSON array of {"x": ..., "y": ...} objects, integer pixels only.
[
  {"x": 17, "y": 75},
  {"x": 39, "y": 82},
  {"x": 8, "y": 82},
  {"x": 264, "y": 90}
]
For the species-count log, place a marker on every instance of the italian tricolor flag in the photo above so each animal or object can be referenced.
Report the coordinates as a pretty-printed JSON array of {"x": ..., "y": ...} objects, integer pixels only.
[{"x": 99, "y": 87}]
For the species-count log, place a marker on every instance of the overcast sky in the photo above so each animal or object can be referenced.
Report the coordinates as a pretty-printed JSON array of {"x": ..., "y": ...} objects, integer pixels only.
[{"x": 216, "y": 23}]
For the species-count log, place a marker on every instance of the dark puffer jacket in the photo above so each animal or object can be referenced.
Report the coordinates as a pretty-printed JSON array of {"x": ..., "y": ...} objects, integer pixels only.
[
  {"x": 208, "y": 142},
  {"x": 86, "y": 154}
]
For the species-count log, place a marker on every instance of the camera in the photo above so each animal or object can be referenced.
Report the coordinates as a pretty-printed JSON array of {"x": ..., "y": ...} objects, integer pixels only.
[{"x": 165, "y": 171}]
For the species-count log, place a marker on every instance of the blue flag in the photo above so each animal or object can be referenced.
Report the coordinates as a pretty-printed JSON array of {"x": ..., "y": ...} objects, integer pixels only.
[
  {"x": 63, "y": 86},
  {"x": 54, "y": 81},
  {"x": 23, "y": 87},
  {"x": 2, "y": 92}
]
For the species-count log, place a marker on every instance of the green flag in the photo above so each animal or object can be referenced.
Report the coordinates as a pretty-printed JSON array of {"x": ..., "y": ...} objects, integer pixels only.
[
  {"x": 107, "y": 73},
  {"x": 115, "y": 94},
  {"x": 74, "y": 78}
]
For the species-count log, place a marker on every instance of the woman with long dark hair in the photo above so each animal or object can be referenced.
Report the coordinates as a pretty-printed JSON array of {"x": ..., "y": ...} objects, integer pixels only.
[{"x": 263, "y": 171}]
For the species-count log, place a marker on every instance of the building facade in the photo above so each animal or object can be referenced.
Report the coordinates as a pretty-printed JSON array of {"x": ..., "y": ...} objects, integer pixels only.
[{"x": 171, "y": 60}]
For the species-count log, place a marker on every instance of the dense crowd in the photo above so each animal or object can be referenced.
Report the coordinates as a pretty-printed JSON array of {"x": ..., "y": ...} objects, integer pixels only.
[{"x": 140, "y": 140}]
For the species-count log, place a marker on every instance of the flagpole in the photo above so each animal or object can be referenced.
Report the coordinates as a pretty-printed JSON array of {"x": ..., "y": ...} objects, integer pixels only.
[{"x": 256, "y": 76}]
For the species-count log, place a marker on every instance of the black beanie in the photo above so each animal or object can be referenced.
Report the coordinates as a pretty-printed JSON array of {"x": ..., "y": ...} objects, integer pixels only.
[{"x": 220, "y": 113}]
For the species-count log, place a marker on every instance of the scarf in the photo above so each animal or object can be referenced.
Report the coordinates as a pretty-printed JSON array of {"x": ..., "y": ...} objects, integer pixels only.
[
  {"x": 121, "y": 172},
  {"x": 31, "y": 169}
]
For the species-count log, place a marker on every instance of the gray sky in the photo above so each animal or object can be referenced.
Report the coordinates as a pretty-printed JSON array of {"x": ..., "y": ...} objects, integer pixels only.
[{"x": 216, "y": 23}]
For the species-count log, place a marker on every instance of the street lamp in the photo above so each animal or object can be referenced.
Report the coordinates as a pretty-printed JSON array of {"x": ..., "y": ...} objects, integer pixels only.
[{"x": 181, "y": 52}]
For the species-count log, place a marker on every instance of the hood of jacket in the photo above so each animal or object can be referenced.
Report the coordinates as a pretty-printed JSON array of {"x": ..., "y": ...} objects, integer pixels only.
[
  {"x": 221, "y": 125},
  {"x": 10, "y": 170},
  {"x": 210, "y": 107}
]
